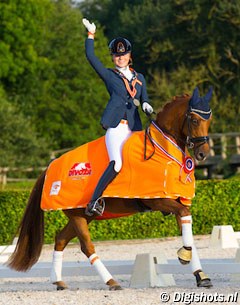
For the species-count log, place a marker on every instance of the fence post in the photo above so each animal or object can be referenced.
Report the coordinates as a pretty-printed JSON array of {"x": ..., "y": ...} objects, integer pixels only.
[
  {"x": 3, "y": 176},
  {"x": 238, "y": 144},
  {"x": 224, "y": 146}
]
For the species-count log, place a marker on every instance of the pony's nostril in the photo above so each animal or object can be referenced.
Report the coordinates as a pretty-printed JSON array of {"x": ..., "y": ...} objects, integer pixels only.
[{"x": 201, "y": 156}]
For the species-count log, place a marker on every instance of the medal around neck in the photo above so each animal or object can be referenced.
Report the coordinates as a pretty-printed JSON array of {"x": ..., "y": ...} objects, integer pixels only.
[{"x": 136, "y": 102}]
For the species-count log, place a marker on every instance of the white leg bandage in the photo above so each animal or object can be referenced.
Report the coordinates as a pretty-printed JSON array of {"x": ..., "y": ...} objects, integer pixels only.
[
  {"x": 56, "y": 271},
  {"x": 115, "y": 138},
  {"x": 100, "y": 268},
  {"x": 195, "y": 261},
  {"x": 187, "y": 235}
]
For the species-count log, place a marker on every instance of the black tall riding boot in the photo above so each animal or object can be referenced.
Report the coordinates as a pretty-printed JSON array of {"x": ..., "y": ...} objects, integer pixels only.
[{"x": 94, "y": 206}]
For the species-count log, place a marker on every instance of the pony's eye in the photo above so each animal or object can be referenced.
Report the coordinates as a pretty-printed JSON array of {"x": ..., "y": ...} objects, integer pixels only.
[{"x": 195, "y": 121}]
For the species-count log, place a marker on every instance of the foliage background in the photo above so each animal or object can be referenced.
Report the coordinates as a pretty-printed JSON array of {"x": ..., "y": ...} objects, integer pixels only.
[
  {"x": 217, "y": 202},
  {"x": 50, "y": 97}
]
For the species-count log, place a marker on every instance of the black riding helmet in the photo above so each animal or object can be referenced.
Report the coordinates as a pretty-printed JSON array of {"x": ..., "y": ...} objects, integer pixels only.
[{"x": 120, "y": 46}]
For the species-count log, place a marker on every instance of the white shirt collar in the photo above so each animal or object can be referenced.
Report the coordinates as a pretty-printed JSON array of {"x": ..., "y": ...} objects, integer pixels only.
[{"x": 126, "y": 72}]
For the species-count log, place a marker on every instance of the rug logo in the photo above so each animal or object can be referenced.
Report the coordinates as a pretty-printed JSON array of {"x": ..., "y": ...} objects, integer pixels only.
[
  {"x": 56, "y": 186},
  {"x": 80, "y": 169}
]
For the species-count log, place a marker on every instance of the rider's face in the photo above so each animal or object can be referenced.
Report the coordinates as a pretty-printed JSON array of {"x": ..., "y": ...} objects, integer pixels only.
[{"x": 121, "y": 60}]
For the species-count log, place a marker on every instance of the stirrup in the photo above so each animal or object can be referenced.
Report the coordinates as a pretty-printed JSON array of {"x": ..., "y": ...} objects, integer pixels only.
[{"x": 95, "y": 207}]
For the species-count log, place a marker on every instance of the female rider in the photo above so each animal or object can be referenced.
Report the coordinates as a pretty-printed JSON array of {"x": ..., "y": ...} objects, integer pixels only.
[{"x": 127, "y": 90}]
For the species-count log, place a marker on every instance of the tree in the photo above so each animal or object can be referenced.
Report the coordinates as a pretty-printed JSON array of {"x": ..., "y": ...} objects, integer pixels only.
[
  {"x": 172, "y": 36},
  {"x": 71, "y": 96},
  {"x": 53, "y": 95},
  {"x": 19, "y": 143},
  {"x": 21, "y": 32},
  {"x": 58, "y": 91}
]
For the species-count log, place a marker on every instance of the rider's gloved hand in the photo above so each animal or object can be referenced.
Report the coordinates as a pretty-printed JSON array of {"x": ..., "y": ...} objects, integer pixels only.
[
  {"x": 91, "y": 27},
  {"x": 147, "y": 108}
]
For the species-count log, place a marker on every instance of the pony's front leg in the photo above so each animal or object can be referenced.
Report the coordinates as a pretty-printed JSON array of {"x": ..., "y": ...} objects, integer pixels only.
[
  {"x": 61, "y": 241},
  {"x": 184, "y": 220},
  {"x": 183, "y": 253},
  {"x": 201, "y": 278},
  {"x": 80, "y": 222},
  {"x": 185, "y": 225}
]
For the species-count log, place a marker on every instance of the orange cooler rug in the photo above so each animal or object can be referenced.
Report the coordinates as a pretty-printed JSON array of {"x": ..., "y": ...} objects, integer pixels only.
[{"x": 71, "y": 179}]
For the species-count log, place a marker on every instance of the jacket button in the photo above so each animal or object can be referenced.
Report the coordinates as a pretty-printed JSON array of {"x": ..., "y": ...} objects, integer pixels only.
[{"x": 129, "y": 105}]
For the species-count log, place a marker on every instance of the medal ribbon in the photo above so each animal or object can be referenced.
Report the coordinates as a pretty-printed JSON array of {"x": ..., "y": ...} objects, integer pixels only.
[{"x": 132, "y": 91}]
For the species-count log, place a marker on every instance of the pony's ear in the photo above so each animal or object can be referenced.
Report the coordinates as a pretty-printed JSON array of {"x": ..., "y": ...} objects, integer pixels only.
[
  {"x": 195, "y": 95},
  {"x": 208, "y": 96}
]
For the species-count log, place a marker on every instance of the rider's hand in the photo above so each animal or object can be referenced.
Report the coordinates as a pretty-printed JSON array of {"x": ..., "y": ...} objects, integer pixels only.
[
  {"x": 91, "y": 27},
  {"x": 147, "y": 108}
]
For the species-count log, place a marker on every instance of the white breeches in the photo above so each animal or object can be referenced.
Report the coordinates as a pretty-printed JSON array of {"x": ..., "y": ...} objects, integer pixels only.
[{"x": 115, "y": 138}]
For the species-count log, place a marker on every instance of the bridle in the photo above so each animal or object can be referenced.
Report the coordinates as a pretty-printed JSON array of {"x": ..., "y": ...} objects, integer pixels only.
[{"x": 190, "y": 140}]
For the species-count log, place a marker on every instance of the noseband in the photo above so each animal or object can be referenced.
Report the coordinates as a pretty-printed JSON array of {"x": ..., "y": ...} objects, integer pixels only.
[{"x": 191, "y": 141}]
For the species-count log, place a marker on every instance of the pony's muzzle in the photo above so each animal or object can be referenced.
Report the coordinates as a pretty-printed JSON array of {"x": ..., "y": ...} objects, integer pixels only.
[{"x": 201, "y": 152}]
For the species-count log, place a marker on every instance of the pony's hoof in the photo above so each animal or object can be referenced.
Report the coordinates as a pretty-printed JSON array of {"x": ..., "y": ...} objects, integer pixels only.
[
  {"x": 205, "y": 283},
  {"x": 203, "y": 280},
  {"x": 61, "y": 288},
  {"x": 60, "y": 285},
  {"x": 184, "y": 255},
  {"x": 115, "y": 287}
]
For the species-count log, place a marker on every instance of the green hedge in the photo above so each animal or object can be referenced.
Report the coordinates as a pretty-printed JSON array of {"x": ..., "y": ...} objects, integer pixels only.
[{"x": 217, "y": 202}]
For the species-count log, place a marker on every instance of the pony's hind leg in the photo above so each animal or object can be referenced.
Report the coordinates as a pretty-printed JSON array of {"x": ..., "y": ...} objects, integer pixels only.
[
  {"x": 80, "y": 222},
  {"x": 61, "y": 241}
]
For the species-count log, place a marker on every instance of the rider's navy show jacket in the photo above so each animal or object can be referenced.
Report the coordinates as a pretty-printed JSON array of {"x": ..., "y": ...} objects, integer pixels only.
[{"x": 120, "y": 105}]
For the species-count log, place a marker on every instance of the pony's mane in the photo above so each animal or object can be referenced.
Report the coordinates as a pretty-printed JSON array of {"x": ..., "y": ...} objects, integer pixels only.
[
  {"x": 175, "y": 99},
  {"x": 169, "y": 111}
]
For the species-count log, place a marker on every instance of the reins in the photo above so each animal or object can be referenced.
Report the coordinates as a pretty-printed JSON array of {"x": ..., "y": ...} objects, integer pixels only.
[{"x": 147, "y": 135}]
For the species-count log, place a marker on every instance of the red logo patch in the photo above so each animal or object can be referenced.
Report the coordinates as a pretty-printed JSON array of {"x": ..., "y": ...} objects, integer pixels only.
[{"x": 80, "y": 169}]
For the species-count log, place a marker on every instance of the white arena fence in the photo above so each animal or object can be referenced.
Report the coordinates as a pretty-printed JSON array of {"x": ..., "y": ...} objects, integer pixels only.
[{"x": 147, "y": 270}]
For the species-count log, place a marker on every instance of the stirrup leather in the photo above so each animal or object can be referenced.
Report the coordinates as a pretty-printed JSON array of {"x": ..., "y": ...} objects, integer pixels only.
[{"x": 95, "y": 207}]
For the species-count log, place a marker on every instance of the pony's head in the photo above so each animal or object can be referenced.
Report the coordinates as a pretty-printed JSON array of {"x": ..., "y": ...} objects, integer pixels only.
[
  {"x": 187, "y": 119},
  {"x": 198, "y": 118}
]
